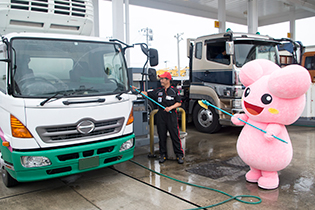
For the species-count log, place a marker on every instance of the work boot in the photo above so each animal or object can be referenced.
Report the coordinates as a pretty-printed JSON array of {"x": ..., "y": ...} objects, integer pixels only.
[
  {"x": 180, "y": 159},
  {"x": 162, "y": 159}
]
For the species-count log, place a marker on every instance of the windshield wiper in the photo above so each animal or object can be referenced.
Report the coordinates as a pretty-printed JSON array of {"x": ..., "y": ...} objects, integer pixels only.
[
  {"x": 51, "y": 97},
  {"x": 67, "y": 93},
  {"x": 118, "y": 96}
]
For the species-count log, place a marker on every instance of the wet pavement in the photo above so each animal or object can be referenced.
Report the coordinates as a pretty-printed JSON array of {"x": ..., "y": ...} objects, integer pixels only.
[{"x": 211, "y": 160}]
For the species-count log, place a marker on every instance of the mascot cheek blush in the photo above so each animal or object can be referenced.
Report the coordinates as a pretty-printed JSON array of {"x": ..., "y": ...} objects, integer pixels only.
[{"x": 274, "y": 97}]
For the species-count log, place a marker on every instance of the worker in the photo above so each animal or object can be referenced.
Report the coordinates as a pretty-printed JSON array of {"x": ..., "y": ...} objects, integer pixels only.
[
  {"x": 167, "y": 96},
  {"x": 222, "y": 55},
  {"x": 22, "y": 69}
]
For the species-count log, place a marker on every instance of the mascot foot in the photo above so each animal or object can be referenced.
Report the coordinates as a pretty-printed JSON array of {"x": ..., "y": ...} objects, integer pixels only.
[
  {"x": 253, "y": 175},
  {"x": 269, "y": 180}
]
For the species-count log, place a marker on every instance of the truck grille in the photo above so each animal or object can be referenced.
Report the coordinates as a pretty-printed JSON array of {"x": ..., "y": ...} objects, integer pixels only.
[
  {"x": 61, "y": 133},
  {"x": 62, "y": 7}
]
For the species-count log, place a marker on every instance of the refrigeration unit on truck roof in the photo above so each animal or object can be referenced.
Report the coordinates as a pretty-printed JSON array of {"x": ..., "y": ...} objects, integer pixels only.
[{"x": 53, "y": 16}]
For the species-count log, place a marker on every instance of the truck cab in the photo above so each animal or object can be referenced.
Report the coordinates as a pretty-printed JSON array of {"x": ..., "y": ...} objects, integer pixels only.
[
  {"x": 65, "y": 106},
  {"x": 65, "y": 101},
  {"x": 215, "y": 62}
]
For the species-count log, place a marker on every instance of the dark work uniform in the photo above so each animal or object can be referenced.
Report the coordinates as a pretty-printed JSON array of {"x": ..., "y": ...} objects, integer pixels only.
[{"x": 167, "y": 121}]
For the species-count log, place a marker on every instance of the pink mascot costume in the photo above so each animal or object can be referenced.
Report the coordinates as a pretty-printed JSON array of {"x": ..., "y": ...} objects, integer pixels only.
[{"x": 274, "y": 97}]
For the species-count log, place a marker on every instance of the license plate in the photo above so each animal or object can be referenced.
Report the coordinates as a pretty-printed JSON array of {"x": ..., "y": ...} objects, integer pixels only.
[{"x": 89, "y": 162}]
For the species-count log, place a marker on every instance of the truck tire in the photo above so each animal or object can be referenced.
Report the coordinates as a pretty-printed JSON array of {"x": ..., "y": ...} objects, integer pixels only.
[
  {"x": 7, "y": 179},
  {"x": 206, "y": 120},
  {"x": 150, "y": 106}
]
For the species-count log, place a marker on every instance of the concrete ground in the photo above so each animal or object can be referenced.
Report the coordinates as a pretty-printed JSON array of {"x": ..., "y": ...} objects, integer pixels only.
[{"x": 211, "y": 161}]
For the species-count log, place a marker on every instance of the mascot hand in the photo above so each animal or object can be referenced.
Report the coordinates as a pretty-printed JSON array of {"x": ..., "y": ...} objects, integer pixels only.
[
  {"x": 272, "y": 129},
  {"x": 268, "y": 136},
  {"x": 236, "y": 121}
]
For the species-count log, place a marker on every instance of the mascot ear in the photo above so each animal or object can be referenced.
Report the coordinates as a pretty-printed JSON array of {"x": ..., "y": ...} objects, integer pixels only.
[
  {"x": 255, "y": 69},
  {"x": 289, "y": 82}
]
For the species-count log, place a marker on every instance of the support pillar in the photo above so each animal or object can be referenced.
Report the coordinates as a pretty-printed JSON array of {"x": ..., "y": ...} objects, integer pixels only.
[
  {"x": 96, "y": 20},
  {"x": 252, "y": 16},
  {"x": 292, "y": 23},
  {"x": 118, "y": 19},
  {"x": 127, "y": 30},
  {"x": 221, "y": 15}
]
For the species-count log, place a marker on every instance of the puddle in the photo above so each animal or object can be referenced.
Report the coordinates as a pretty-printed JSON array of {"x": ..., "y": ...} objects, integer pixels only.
[
  {"x": 303, "y": 184},
  {"x": 216, "y": 170}
]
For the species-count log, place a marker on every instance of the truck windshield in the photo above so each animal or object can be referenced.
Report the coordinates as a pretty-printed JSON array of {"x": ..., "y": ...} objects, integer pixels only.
[
  {"x": 43, "y": 68},
  {"x": 246, "y": 51}
]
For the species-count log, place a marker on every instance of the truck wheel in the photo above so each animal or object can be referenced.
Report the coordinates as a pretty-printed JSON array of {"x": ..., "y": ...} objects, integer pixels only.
[
  {"x": 7, "y": 179},
  {"x": 206, "y": 120}
]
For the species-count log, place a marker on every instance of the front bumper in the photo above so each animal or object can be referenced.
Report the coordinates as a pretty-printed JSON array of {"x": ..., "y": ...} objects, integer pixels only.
[{"x": 71, "y": 160}]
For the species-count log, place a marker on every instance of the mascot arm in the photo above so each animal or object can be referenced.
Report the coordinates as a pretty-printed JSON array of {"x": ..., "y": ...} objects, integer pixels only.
[
  {"x": 272, "y": 129},
  {"x": 236, "y": 121}
]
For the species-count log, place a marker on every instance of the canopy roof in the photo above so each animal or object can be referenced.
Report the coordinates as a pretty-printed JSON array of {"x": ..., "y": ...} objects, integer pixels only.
[{"x": 269, "y": 11}]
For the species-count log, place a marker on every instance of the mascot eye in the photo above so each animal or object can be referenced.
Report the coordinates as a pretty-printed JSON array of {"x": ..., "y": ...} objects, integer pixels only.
[
  {"x": 266, "y": 99},
  {"x": 247, "y": 91}
]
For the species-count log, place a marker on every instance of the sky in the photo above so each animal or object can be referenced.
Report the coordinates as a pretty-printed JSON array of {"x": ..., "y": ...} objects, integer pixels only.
[{"x": 165, "y": 25}]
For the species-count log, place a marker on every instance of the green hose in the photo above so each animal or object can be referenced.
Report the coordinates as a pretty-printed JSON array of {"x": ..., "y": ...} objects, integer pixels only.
[{"x": 238, "y": 197}]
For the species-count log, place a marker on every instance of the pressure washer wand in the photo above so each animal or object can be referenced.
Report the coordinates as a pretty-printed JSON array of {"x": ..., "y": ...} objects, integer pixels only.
[
  {"x": 150, "y": 99},
  {"x": 205, "y": 102}
]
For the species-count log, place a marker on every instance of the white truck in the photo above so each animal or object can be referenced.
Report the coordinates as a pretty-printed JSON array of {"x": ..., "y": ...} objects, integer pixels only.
[
  {"x": 215, "y": 62},
  {"x": 65, "y": 99}
]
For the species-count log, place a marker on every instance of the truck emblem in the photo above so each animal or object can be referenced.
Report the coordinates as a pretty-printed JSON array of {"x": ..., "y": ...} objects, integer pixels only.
[{"x": 85, "y": 127}]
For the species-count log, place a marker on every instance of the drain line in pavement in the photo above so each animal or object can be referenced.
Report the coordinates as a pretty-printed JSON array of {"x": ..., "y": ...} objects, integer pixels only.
[
  {"x": 237, "y": 198},
  {"x": 155, "y": 187}
]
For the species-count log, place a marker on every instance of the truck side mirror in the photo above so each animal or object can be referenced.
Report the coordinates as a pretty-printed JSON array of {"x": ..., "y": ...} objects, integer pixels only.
[
  {"x": 5, "y": 60},
  {"x": 130, "y": 76},
  {"x": 154, "y": 57},
  {"x": 152, "y": 75},
  {"x": 190, "y": 45},
  {"x": 229, "y": 47}
]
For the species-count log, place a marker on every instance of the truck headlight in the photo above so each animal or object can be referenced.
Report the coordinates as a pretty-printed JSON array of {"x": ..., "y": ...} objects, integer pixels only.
[
  {"x": 34, "y": 161},
  {"x": 126, "y": 145}
]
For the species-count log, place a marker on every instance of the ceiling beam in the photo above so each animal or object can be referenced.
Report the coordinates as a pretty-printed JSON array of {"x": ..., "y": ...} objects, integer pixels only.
[
  {"x": 301, "y": 4},
  {"x": 303, "y": 9},
  {"x": 284, "y": 17},
  {"x": 188, "y": 8}
]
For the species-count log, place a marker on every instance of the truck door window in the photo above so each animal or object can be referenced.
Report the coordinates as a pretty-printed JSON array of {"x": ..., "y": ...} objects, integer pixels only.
[
  {"x": 216, "y": 52},
  {"x": 310, "y": 63},
  {"x": 198, "y": 50},
  {"x": 3, "y": 69},
  {"x": 114, "y": 69}
]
